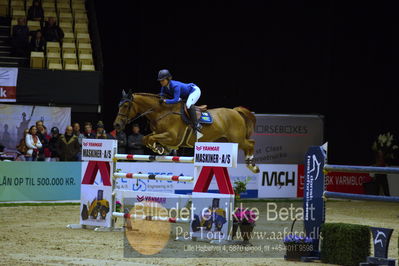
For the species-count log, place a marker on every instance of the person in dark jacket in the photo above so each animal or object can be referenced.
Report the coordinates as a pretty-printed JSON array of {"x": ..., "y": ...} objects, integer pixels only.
[
  {"x": 42, "y": 134},
  {"x": 36, "y": 11},
  {"x": 68, "y": 146},
  {"x": 88, "y": 131},
  {"x": 135, "y": 141},
  {"x": 52, "y": 32},
  {"x": 53, "y": 144},
  {"x": 20, "y": 38},
  {"x": 122, "y": 141},
  {"x": 101, "y": 133},
  {"x": 37, "y": 42}
]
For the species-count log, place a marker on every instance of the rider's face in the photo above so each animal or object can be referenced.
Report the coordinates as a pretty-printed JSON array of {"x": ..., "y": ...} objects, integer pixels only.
[{"x": 164, "y": 82}]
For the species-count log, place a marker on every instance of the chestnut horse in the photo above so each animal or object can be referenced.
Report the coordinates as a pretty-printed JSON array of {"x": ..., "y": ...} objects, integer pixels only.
[{"x": 169, "y": 131}]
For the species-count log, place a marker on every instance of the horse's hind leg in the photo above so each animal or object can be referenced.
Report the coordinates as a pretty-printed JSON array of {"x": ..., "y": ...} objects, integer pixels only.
[{"x": 248, "y": 146}]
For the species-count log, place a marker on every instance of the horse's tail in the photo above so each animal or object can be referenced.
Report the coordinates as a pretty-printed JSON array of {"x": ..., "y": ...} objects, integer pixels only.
[{"x": 249, "y": 117}]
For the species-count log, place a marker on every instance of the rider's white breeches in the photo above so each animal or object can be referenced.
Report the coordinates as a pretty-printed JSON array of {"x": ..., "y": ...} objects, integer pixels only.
[{"x": 194, "y": 96}]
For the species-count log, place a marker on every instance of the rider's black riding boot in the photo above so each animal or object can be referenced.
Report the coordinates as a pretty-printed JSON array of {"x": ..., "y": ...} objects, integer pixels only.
[{"x": 193, "y": 116}]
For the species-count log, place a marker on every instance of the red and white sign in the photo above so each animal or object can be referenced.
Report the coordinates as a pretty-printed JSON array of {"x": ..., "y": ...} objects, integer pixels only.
[
  {"x": 338, "y": 182},
  {"x": 98, "y": 150},
  {"x": 215, "y": 154},
  {"x": 8, "y": 84}
]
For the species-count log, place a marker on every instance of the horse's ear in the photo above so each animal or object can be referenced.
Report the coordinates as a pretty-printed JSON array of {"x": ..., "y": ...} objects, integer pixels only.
[{"x": 123, "y": 94}]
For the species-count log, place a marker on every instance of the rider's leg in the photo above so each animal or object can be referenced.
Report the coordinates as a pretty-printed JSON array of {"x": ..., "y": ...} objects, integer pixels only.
[{"x": 191, "y": 100}]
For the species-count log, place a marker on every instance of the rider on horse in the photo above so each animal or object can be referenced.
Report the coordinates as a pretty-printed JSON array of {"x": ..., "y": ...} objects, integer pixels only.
[{"x": 178, "y": 90}]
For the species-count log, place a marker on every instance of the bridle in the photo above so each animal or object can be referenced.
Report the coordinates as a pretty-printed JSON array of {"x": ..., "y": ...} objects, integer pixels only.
[{"x": 127, "y": 120}]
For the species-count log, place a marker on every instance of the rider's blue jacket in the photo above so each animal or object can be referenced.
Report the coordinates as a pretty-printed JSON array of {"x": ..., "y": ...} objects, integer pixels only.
[{"x": 176, "y": 90}]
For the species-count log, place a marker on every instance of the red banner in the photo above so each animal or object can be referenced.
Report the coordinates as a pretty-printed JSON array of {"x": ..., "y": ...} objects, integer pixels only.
[
  {"x": 8, "y": 94},
  {"x": 338, "y": 182}
]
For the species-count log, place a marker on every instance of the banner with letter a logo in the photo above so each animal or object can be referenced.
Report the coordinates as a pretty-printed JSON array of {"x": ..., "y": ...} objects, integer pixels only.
[
  {"x": 96, "y": 184},
  {"x": 8, "y": 84}
]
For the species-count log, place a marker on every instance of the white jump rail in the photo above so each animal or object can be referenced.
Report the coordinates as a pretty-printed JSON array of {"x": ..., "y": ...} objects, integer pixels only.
[
  {"x": 153, "y": 158},
  {"x": 150, "y": 218},
  {"x": 155, "y": 177}
]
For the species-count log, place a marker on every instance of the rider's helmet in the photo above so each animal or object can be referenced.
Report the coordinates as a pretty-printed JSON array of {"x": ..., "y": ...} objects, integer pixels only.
[{"x": 164, "y": 74}]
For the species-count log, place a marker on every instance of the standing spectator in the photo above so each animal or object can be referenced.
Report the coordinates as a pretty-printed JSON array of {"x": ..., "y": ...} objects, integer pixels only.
[
  {"x": 42, "y": 134},
  {"x": 20, "y": 38},
  {"x": 36, "y": 12},
  {"x": 33, "y": 143},
  {"x": 101, "y": 133},
  {"x": 77, "y": 133},
  {"x": 135, "y": 141},
  {"x": 68, "y": 146},
  {"x": 52, "y": 32},
  {"x": 37, "y": 42},
  {"x": 22, "y": 148},
  {"x": 53, "y": 144},
  {"x": 88, "y": 131},
  {"x": 122, "y": 140},
  {"x": 6, "y": 137}
]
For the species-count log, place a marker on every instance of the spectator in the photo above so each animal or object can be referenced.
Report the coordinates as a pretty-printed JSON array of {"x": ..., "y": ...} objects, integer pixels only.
[
  {"x": 122, "y": 139},
  {"x": 68, "y": 146},
  {"x": 20, "y": 38},
  {"x": 52, "y": 32},
  {"x": 36, "y": 12},
  {"x": 33, "y": 143},
  {"x": 87, "y": 133},
  {"x": 53, "y": 144},
  {"x": 77, "y": 133},
  {"x": 42, "y": 134},
  {"x": 6, "y": 137},
  {"x": 22, "y": 148},
  {"x": 135, "y": 141},
  {"x": 101, "y": 134},
  {"x": 37, "y": 42}
]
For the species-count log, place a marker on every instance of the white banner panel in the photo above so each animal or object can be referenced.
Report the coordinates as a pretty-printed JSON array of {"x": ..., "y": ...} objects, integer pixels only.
[
  {"x": 215, "y": 154},
  {"x": 277, "y": 181},
  {"x": 98, "y": 149},
  {"x": 14, "y": 119}
]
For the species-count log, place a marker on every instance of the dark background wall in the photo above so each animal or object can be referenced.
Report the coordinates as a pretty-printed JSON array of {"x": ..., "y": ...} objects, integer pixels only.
[{"x": 336, "y": 59}]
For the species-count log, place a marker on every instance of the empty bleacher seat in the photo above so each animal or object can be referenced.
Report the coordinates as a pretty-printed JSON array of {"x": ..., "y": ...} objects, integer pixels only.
[
  {"x": 49, "y": 15},
  {"x": 4, "y": 7},
  {"x": 85, "y": 59},
  {"x": 65, "y": 17},
  {"x": 54, "y": 66},
  {"x": 80, "y": 17},
  {"x": 68, "y": 36},
  {"x": 17, "y": 13},
  {"x": 66, "y": 26},
  {"x": 87, "y": 68},
  {"x": 68, "y": 66},
  {"x": 83, "y": 38},
  {"x": 53, "y": 47},
  {"x": 68, "y": 48},
  {"x": 84, "y": 48},
  {"x": 33, "y": 25},
  {"x": 69, "y": 58},
  {"x": 37, "y": 60}
]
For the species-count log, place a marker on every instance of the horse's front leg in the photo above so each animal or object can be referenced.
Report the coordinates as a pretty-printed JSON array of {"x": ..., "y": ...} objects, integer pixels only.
[{"x": 155, "y": 141}]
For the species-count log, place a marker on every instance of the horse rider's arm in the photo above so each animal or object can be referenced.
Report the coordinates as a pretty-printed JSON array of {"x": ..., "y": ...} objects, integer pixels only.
[
  {"x": 162, "y": 91},
  {"x": 176, "y": 96}
]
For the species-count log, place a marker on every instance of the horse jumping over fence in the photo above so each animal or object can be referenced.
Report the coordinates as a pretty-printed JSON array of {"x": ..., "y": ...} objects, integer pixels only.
[{"x": 169, "y": 131}]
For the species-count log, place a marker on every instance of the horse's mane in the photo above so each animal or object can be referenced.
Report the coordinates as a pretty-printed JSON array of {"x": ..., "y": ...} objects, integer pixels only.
[{"x": 147, "y": 94}]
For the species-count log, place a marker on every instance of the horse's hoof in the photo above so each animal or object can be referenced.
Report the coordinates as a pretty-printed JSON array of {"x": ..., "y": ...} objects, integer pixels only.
[{"x": 253, "y": 168}]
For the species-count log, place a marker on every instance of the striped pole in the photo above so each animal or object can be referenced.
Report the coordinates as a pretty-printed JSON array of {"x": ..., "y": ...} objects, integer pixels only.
[
  {"x": 150, "y": 218},
  {"x": 155, "y": 177},
  {"x": 152, "y": 158},
  {"x": 361, "y": 169},
  {"x": 340, "y": 195}
]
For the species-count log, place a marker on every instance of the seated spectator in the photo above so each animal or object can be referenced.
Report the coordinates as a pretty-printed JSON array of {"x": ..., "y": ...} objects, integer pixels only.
[
  {"x": 52, "y": 32},
  {"x": 76, "y": 132},
  {"x": 68, "y": 146},
  {"x": 33, "y": 143},
  {"x": 36, "y": 12},
  {"x": 37, "y": 42},
  {"x": 20, "y": 38},
  {"x": 53, "y": 144},
  {"x": 135, "y": 141},
  {"x": 88, "y": 131},
  {"x": 101, "y": 134}
]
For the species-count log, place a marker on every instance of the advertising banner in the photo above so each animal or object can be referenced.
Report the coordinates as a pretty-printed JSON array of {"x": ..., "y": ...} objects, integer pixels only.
[
  {"x": 215, "y": 154},
  {"x": 284, "y": 139},
  {"x": 39, "y": 181},
  {"x": 8, "y": 84},
  {"x": 16, "y": 118},
  {"x": 96, "y": 184},
  {"x": 277, "y": 181}
]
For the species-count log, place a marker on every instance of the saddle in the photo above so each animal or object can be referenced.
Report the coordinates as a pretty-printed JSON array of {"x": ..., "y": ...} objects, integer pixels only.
[{"x": 203, "y": 116}]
